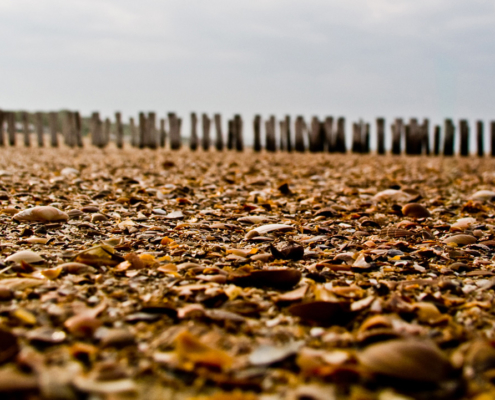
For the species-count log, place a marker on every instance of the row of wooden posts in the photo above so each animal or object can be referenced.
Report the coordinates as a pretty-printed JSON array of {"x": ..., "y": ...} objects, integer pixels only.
[{"x": 326, "y": 135}]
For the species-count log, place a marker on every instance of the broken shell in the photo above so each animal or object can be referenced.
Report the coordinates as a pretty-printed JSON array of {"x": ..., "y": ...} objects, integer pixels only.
[
  {"x": 462, "y": 224},
  {"x": 392, "y": 195},
  {"x": 460, "y": 239},
  {"x": 407, "y": 359},
  {"x": 41, "y": 214},
  {"x": 323, "y": 313},
  {"x": 261, "y": 230},
  {"x": 415, "y": 210},
  {"x": 483, "y": 195},
  {"x": 27, "y": 256}
]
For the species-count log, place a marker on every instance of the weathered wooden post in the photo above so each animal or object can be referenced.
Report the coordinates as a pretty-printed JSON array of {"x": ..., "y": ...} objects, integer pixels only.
[
  {"x": 107, "y": 129},
  {"x": 142, "y": 130},
  {"x": 329, "y": 134},
  {"x": 299, "y": 134},
  {"x": 239, "y": 139},
  {"x": 219, "y": 134},
  {"x": 230, "y": 134},
  {"x": 464, "y": 137},
  {"x": 25, "y": 128},
  {"x": 366, "y": 148},
  {"x": 271, "y": 143},
  {"x": 397, "y": 128},
  {"x": 78, "y": 127},
  {"x": 492, "y": 138},
  {"x": 281, "y": 127},
  {"x": 163, "y": 133},
  {"x": 340, "y": 142},
  {"x": 66, "y": 127},
  {"x": 425, "y": 136},
  {"x": 380, "y": 136},
  {"x": 480, "y": 138},
  {"x": 257, "y": 133},
  {"x": 53, "y": 126},
  {"x": 437, "y": 140},
  {"x": 314, "y": 138},
  {"x": 448, "y": 142},
  {"x": 206, "y": 123},
  {"x": 119, "y": 130},
  {"x": 152, "y": 133},
  {"x": 288, "y": 139},
  {"x": 11, "y": 128},
  {"x": 321, "y": 136},
  {"x": 134, "y": 136},
  {"x": 412, "y": 135},
  {"x": 193, "y": 140},
  {"x": 356, "y": 138},
  {"x": 2, "y": 136},
  {"x": 38, "y": 123},
  {"x": 95, "y": 129},
  {"x": 174, "y": 127}
]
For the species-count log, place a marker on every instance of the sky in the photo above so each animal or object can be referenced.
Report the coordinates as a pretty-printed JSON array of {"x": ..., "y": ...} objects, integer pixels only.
[{"x": 353, "y": 58}]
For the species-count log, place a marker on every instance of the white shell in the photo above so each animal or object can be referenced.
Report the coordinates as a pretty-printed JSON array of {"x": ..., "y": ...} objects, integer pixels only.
[
  {"x": 483, "y": 195},
  {"x": 69, "y": 171},
  {"x": 42, "y": 214},
  {"x": 26, "y": 256},
  {"x": 392, "y": 194},
  {"x": 261, "y": 230}
]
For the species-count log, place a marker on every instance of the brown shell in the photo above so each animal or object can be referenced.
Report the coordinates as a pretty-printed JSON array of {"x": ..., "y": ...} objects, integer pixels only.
[{"x": 415, "y": 210}]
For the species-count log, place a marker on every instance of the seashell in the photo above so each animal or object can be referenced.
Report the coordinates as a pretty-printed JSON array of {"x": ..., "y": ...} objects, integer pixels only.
[
  {"x": 77, "y": 268},
  {"x": 36, "y": 240},
  {"x": 252, "y": 219},
  {"x": 9, "y": 346},
  {"x": 90, "y": 209},
  {"x": 394, "y": 232},
  {"x": 392, "y": 195},
  {"x": 27, "y": 256},
  {"x": 265, "y": 354},
  {"x": 85, "y": 323},
  {"x": 323, "y": 313},
  {"x": 293, "y": 251},
  {"x": 20, "y": 283},
  {"x": 261, "y": 230},
  {"x": 97, "y": 217},
  {"x": 483, "y": 195},
  {"x": 461, "y": 240},
  {"x": 175, "y": 215},
  {"x": 116, "y": 338},
  {"x": 41, "y": 214},
  {"x": 408, "y": 359},
  {"x": 462, "y": 224},
  {"x": 5, "y": 293},
  {"x": 74, "y": 213},
  {"x": 415, "y": 210},
  {"x": 69, "y": 171},
  {"x": 46, "y": 335}
]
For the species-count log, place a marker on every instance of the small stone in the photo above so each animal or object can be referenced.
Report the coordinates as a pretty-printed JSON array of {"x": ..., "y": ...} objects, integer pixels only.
[{"x": 41, "y": 214}]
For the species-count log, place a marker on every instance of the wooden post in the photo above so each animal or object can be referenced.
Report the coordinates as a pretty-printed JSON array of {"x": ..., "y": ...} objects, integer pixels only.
[
  {"x": 492, "y": 138},
  {"x": 257, "y": 133},
  {"x": 152, "y": 131},
  {"x": 239, "y": 139},
  {"x": 281, "y": 126},
  {"x": 78, "y": 127},
  {"x": 66, "y": 127},
  {"x": 107, "y": 128},
  {"x": 134, "y": 136},
  {"x": 329, "y": 134},
  {"x": 230, "y": 134},
  {"x": 206, "y": 123},
  {"x": 299, "y": 134},
  {"x": 95, "y": 129},
  {"x": 38, "y": 123},
  {"x": 25, "y": 128},
  {"x": 425, "y": 132},
  {"x": 397, "y": 128},
  {"x": 314, "y": 138},
  {"x": 73, "y": 131},
  {"x": 356, "y": 138},
  {"x": 193, "y": 140},
  {"x": 366, "y": 139},
  {"x": 436, "y": 143},
  {"x": 464, "y": 138},
  {"x": 163, "y": 133},
  {"x": 142, "y": 130},
  {"x": 53, "y": 126},
  {"x": 448, "y": 142},
  {"x": 480, "y": 139},
  {"x": 340, "y": 143},
  {"x": 380, "y": 136},
  {"x": 2, "y": 136},
  {"x": 321, "y": 136},
  {"x": 174, "y": 127},
  {"x": 218, "y": 128},
  {"x": 288, "y": 139},
  {"x": 119, "y": 130},
  {"x": 412, "y": 135},
  {"x": 11, "y": 129},
  {"x": 271, "y": 143}
]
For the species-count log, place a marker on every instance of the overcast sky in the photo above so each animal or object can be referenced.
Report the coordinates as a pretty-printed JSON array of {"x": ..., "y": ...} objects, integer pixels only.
[{"x": 356, "y": 58}]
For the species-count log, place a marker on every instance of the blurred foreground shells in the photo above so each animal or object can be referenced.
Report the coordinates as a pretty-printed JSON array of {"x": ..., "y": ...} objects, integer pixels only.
[
  {"x": 483, "y": 195},
  {"x": 41, "y": 214},
  {"x": 27, "y": 256},
  {"x": 415, "y": 210},
  {"x": 407, "y": 359}
]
